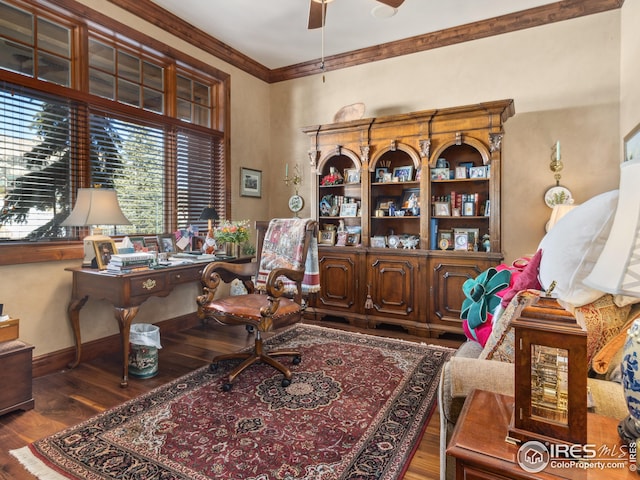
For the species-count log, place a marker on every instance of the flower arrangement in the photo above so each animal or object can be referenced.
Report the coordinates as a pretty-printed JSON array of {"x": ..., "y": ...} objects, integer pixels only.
[
  {"x": 232, "y": 232},
  {"x": 334, "y": 178}
]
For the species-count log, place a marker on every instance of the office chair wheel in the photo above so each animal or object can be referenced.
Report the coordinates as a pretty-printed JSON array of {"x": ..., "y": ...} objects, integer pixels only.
[
  {"x": 226, "y": 387},
  {"x": 249, "y": 328},
  {"x": 286, "y": 382},
  {"x": 296, "y": 360}
]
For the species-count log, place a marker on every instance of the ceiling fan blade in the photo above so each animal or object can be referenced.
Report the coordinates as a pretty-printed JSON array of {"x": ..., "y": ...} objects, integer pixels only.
[
  {"x": 316, "y": 17},
  {"x": 392, "y": 3}
]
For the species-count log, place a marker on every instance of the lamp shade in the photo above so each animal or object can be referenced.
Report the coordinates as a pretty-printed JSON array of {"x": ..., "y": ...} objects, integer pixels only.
[
  {"x": 96, "y": 206},
  {"x": 209, "y": 213},
  {"x": 558, "y": 212},
  {"x": 617, "y": 270}
]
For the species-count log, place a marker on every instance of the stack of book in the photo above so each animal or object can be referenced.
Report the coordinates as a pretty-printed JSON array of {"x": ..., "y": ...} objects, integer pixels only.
[{"x": 128, "y": 262}]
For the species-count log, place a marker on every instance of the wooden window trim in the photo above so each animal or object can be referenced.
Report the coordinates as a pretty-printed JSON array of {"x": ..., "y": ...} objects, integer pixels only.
[{"x": 76, "y": 16}]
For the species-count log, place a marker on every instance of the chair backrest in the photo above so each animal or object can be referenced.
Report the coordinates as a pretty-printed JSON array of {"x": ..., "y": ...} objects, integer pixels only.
[{"x": 285, "y": 244}]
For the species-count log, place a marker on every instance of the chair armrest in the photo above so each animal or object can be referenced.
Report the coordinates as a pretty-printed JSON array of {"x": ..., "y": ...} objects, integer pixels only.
[
  {"x": 216, "y": 271},
  {"x": 275, "y": 287}
]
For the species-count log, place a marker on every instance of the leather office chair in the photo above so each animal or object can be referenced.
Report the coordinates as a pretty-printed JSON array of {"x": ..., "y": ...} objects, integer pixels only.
[{"x": 274, "y": 301}]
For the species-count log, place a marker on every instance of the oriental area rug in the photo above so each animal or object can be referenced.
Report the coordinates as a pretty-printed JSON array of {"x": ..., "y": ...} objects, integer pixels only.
[{"x": 356, "y": 409}]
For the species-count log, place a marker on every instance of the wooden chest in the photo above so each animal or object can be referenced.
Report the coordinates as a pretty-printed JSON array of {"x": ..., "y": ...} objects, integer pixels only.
[{"x": 15, "y": 376}]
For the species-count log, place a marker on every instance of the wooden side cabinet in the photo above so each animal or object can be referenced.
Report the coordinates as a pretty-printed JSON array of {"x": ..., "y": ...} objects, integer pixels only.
[
  {"x": 15, "y": 376},
  {"x": 339, "y": 280},
  {"x": 448, "y": 272}
]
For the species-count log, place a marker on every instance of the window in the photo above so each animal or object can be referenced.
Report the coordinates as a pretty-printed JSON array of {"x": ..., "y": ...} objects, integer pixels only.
[
  {"x": 117, "y": 74},
  {"x": 135, "y": 129},
  {"x": 36, "y": 46}
]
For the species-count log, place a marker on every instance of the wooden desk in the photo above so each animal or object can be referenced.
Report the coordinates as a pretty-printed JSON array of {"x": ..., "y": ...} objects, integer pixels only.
[
  {"x": 481, "y": 452},
  {"x": 126, "y": 292}
]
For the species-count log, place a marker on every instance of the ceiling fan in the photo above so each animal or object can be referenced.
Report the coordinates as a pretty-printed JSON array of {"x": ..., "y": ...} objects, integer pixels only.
[{"x": 318, "y": 10}]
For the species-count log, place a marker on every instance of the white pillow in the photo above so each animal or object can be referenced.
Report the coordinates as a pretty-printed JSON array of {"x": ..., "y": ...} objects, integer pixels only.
[{"x": 572, "y": 247}]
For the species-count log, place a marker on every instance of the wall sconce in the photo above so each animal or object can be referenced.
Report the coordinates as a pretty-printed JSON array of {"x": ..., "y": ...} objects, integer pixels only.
[
  {"x": 557, "y": 195},
  {"x": 556, "y": 165},
  {"x": 95, "y": 206}
]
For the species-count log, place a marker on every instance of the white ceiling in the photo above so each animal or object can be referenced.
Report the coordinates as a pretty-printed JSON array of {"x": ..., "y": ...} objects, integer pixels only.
[{"x": 274, "y": 32}]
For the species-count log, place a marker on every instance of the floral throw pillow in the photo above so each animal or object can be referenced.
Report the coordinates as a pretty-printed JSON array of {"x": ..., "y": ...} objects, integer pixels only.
[{"x": 603, "y": 320}]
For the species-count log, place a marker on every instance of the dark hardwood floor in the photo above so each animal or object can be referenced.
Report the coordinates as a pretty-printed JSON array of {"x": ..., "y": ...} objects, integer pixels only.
[{"x": 71, "y": 396}]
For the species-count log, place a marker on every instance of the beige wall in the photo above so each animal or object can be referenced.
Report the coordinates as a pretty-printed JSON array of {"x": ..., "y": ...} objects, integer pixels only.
[
  {"x": 564, "y": 79},
  {"x": 629, "y": 67}
]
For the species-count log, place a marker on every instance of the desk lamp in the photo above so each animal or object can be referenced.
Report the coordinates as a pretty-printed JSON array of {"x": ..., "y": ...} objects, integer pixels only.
[
  {"x": 209, "y": 213},
  {"x": 95, "y": 206},
  {"x": 617, "y": 271}
]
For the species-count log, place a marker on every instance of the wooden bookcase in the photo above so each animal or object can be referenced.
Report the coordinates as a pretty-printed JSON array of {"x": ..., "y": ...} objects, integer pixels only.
[{"x": 378, "y": 280}]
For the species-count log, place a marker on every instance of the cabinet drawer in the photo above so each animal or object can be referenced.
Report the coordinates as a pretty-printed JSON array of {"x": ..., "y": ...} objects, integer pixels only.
[
  {"x": 9, "y": 330},
  {"x": 187, "y": 275},
  {"x": 148, "y": 284}
]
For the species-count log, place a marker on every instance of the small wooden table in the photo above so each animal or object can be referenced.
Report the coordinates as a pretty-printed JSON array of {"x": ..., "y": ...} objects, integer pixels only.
[
  {"x": 126, "y": 292},
  {"x": 481, "y": 452}
]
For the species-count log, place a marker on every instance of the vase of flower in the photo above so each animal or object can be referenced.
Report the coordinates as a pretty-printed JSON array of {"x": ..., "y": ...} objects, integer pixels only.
[
  {"x": 233, "y": 249},
  {"x": 232, "y": 235}
]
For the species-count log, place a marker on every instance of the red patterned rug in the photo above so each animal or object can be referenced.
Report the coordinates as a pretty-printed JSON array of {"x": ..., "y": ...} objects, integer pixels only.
[{"x": 356, "y": 409}]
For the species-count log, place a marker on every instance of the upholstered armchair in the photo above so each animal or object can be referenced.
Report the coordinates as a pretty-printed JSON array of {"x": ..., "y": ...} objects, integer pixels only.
[{"x": 274, "y": 297}]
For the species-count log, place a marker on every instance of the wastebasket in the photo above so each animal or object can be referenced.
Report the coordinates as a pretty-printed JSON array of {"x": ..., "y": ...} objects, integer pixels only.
[{"x": 144, "y": 342}]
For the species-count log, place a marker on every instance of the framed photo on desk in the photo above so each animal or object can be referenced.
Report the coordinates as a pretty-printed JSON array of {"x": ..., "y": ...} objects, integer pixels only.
[{"x": 104, "y": 249}]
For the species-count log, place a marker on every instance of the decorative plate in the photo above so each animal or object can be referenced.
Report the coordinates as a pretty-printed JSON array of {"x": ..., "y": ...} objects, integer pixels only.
[
  {"x": 393, "y": 241},
  {"x": 296, "y": 203},
  {"x": 557, "y": 196}
]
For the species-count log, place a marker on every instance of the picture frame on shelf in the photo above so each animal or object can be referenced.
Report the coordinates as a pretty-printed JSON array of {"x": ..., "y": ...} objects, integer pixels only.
[
  {"x": 410, "y": 198},
  {"x": 418, "y": 175},
  {"x": 349, "y": 209},
  {"x": 380, "y": 171},
  {"x": 353, "y": 239},
  {"x": 468, "y": 209},
  {"x": 250, "y": 182},
  {"x": 460, "y": 241},
  {"x": 386, "y": 177},
  {"x": 378, "y": 242},
  {"x": 466, "y": 165},
  {"x": 445, "y": 239},
  {"x": 478, "y": 172},
  {"x": 138, "y": 244},
  {"x": 326, "y": 237},
  {"x": 103, "y": 250},
  {"x": 403, "y": 174},
  {"x": 473, "y": 235},
  {"x": 442, "y": 209},
  {"x": 167, "y": 243},
  {"x": 439, "y": 174},
  {"x": 461, "y": 172},
  {"x": 352, "y": 175},
  {"x": 383, "y": 203},
  {"x": 341, "y": 239}
]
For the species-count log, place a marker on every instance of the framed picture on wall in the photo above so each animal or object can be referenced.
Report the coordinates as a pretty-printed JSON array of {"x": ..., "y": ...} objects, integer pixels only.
[{"x": 250, "y": 182}]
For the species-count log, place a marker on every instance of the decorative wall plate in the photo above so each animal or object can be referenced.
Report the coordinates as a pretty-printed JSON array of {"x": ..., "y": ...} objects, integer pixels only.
[
  {"x": 557, "y": 196},
  {"x": 296, "y": 203}
]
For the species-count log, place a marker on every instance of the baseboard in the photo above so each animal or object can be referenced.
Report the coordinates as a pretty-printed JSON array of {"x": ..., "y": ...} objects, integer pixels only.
[{"x": 59, "y": 360}]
